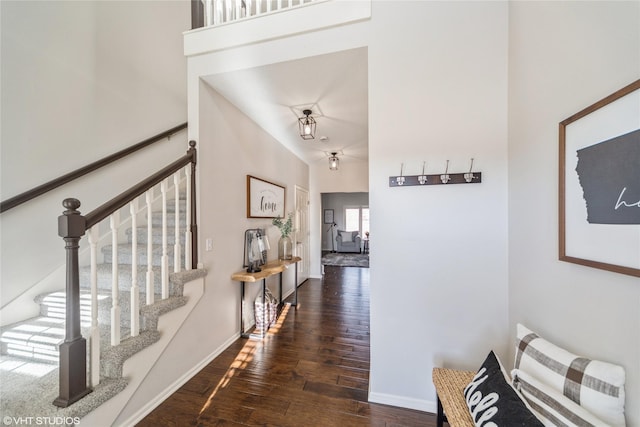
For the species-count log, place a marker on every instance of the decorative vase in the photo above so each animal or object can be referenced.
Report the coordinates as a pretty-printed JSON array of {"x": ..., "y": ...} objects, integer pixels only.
[{"x": 285, "y": 248}]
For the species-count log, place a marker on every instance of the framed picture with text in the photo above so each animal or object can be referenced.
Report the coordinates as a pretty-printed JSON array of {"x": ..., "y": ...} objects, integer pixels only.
[
  {"x": 599, "y": 184},
  {"x": 264, "y": 199}
]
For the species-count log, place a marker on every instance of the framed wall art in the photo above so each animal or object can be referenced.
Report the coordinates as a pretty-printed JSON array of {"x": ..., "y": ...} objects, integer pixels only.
[
  {"x": 328, "y": 216},
  {"x": 599, "y": 184},
  {"x": 264, "y": 199}
]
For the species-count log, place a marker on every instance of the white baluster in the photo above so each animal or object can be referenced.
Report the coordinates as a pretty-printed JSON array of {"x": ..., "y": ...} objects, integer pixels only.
[
  {"x": 219, "y": 12},
  {"x": 258, "y": 7},
  {"x": 150, "y": 279},
  {"x": 94, "y": 336},
  {"x": 135, "y": 291},
  {"x": 238, "y": 8},
  {"x": 177, "y": 252},
  {"x": 165, "y": 258},
  {"x": 208, "y": 13},
  {"x": 248, "y": 8},
  {"x": 279, "y": 4},
  {"x": 268, "y": 5},
  {"x": 290, "y": 3},
  {"x": 114, "y": 221},
  {"x": 229, "y": 11},
  {"x": 187, "y": 232}
]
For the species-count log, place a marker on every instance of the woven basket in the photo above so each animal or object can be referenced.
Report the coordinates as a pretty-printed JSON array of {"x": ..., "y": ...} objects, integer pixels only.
[{"x": 271, "y": 307}]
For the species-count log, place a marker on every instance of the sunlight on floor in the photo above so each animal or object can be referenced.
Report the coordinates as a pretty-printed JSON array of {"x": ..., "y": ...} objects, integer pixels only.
[{"x": 244, "y": 357}]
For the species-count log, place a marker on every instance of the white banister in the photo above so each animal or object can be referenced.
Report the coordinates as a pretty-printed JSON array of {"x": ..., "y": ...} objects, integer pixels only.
[
  {"x": 165, "y": 258},
  {"x": 94, "y": 334},
  {"x": 135, "y": 290},
  {"x": 258, "y": 7},
  {"x": 187, "y": 232},
  {"x": 177, "y": 252},
  {"x": 150, "y": 279},
  {"x": 114, "y": 221}
]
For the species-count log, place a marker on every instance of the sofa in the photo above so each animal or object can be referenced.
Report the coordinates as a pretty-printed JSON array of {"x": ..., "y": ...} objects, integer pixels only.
[{"x": 348, "y": 241}]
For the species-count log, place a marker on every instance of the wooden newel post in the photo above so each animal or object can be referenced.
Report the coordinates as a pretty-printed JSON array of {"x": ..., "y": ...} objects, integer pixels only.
[
  {"x": 73, "y": 351},
  {"x": 194, "y": 225}
]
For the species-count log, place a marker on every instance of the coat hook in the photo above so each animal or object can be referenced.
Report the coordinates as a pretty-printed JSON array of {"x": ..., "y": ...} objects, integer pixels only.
[
  {"x": 422, "y": 179},
  {"x": 469, "y": 176},
  {"x": 400, "y": 179},
  {"x": 445, "y": 178}
]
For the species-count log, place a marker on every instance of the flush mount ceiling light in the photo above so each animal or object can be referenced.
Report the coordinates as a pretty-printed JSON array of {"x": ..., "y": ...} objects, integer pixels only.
[
  {"x": 307, "y": 125},
  {"x": 333, "y": 162}
]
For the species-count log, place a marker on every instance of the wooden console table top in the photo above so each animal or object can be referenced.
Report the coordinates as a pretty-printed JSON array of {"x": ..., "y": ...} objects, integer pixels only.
[{"x": 268, "y": 269}]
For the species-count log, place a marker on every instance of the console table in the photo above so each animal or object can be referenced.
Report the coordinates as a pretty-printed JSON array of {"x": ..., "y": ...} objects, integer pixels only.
[{"x": 267, "y": 270}]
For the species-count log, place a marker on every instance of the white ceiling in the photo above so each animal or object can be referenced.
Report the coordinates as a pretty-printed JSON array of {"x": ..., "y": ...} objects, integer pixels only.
[{"x": 333, "y": 86}]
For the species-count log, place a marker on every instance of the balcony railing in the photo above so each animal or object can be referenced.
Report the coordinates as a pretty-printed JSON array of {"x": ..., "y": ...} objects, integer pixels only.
[{"x": 206, "y": 13}]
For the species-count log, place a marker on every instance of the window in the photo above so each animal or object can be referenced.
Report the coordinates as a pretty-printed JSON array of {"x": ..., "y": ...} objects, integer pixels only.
[{"x": 357, "y": 218}]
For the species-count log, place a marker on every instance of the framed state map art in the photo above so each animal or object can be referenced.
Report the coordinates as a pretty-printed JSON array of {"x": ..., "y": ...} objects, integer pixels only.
[
  {"x": 599, "y": 183},
  {"x": 264, "y": 199}
]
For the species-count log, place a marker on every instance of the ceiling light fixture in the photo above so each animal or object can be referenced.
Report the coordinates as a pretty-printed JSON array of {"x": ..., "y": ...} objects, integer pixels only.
[
  {"x": 307, "y": 125},
  {"x": 333, "y": 162}
]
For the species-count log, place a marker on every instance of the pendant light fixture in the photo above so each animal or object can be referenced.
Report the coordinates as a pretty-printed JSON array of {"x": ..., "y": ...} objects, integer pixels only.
[
  {"x": 307, "y": 125},
  {"x": 333, "y": 162}
]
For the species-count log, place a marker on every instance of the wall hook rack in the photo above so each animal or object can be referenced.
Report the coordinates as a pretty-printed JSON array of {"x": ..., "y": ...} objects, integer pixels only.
[
  {"x": 469, "y": 177},
  {"x": 399, "y": 180}
]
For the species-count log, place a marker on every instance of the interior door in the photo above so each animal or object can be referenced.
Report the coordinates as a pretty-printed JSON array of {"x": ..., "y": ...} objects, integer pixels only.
[{"x": 302, "y": 233}]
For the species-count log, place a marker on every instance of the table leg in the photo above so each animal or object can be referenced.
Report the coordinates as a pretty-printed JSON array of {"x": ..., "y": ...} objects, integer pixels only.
[
  {"x": 265, "y": 309},
  {"x": 242, "y": 332}
]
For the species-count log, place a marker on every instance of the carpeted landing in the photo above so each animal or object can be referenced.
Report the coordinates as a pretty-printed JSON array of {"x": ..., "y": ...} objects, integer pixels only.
[{"x": 346, "y": 260}]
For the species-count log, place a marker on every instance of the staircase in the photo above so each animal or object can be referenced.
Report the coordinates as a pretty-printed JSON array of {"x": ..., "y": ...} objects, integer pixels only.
[{"x": 29, "y": 349}]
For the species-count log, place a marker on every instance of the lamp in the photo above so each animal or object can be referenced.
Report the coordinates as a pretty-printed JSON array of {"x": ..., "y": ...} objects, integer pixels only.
[
  {"x": 333, "y": 162},
  {"x": 307, "y": 125}
]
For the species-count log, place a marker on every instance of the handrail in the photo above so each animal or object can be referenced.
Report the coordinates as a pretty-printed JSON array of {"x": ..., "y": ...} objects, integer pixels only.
[
  {"x": 106, "y": 209},
  {"x": 64, "y": 179},
  {"x": 72, "y": 225}
]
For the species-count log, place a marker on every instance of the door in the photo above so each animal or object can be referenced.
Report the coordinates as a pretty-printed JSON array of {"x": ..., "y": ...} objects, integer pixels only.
[{"x": 302, "y": 233}]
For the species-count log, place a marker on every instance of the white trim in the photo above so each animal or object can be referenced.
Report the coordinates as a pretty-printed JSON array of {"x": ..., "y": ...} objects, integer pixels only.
[
  {"x": 175, "y": 386},
  {"x": 403, "y": 402}
]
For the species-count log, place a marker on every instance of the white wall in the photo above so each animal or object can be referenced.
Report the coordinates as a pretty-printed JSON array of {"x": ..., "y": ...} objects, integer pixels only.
[
  {"x": 352, "y": 176},
  {"x": 81, "y": 80},
  {"x": 438, "y": 92},
  {"x": 231, "y": 147},
  {"x": 563, "y": 57}
]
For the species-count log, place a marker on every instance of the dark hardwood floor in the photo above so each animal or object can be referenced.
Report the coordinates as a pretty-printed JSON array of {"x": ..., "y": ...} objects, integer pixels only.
[{"x": 312, "y": 369}]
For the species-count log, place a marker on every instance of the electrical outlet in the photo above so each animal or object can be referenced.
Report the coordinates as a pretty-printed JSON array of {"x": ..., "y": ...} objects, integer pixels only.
[{"x": 209, "y": 244}]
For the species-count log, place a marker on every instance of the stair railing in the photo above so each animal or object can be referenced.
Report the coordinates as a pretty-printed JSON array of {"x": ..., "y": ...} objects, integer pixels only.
[
  {"x": 72, "y": 225},
  {"x": 206, "y": 13},
  {"x": 65, "y": 179}
]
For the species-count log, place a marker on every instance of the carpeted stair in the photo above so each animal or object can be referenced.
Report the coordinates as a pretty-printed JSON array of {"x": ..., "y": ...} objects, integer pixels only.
[{"x": 29, "y": 349}]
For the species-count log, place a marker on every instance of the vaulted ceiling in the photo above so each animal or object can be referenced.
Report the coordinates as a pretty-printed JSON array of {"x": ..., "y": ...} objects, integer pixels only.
[{"x": 334, "y": 86}]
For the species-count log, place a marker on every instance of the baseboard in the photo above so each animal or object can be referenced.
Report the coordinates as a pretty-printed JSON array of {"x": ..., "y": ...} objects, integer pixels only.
[
  {"x": 403, "y": 402},
  {"x": 162, "y": 396}
]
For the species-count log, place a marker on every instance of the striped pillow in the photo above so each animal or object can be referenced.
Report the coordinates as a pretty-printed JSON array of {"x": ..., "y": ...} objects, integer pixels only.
[
  {"x": 550, "y": 406},
  {"x": 596, "y": 386}
]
